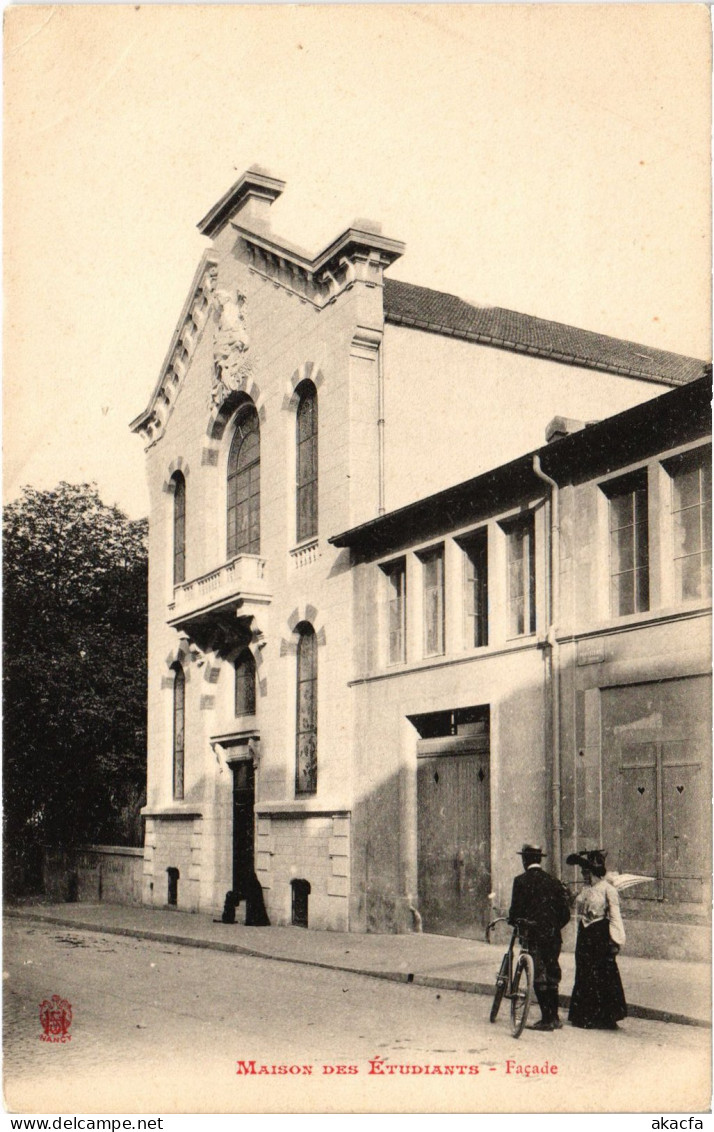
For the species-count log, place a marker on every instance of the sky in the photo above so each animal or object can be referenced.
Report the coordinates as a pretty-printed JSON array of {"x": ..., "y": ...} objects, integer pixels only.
[{"x": 549, "y": 159}]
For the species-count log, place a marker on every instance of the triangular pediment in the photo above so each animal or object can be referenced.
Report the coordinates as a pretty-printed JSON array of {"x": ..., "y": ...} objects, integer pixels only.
[{"x": 358, "y": 255}]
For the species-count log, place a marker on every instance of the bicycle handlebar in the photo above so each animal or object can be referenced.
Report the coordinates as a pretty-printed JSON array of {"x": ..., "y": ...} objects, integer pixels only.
[{"x": 520, "y": 927}]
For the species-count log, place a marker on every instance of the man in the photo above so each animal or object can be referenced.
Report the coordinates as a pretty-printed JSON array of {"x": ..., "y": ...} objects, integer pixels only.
[{"x": 541, "y": 899}]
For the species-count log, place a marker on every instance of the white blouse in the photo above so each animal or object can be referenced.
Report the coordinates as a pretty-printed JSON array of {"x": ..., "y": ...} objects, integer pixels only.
[{"x": 599, "y": 901}]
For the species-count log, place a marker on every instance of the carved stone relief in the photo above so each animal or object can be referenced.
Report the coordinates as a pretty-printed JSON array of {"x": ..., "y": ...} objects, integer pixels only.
[{"x": 233, "y": 364}]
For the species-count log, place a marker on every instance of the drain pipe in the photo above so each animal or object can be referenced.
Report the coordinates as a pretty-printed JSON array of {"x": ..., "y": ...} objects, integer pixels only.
[
  {"x": 553, "y": 606},
  {"x": 380, "y": 426}
]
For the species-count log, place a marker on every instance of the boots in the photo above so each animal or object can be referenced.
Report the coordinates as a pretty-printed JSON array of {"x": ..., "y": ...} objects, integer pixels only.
[
  {"x": 543, "y": 995},
  {"x": 554, "y": 1019}
]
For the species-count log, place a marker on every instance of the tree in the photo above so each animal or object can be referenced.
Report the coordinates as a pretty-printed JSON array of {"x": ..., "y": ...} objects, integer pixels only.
[{"x": 74, "y": 674}]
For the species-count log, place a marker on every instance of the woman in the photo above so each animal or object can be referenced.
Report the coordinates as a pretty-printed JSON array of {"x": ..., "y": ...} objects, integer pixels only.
[{"x": 598, "y": 1000}]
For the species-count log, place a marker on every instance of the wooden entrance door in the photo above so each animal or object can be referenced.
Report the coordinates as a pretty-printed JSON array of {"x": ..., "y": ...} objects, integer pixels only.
[
  {"x": 243, "y": 822},
  {"x": 453, "y": 836}
]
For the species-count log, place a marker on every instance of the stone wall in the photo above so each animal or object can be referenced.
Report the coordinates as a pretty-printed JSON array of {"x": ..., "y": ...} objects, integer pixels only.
[{"x": 94, "y": 874}]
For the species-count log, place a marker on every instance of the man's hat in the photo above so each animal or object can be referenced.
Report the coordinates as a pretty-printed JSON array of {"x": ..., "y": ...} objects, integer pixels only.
[
  {"x": 591, "y": 859},
  {"x": 532, "y": 851}
]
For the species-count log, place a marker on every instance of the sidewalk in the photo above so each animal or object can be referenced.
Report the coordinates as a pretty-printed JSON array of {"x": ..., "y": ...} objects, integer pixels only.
[{"x": 657, "y": 989}]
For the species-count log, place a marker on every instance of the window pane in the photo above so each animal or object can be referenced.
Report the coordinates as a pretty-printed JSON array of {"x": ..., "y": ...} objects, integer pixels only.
[
  {"x": 688, "y": 533},
  {"x": 622, "y": 550},
  {"x": 691, "y": 525},
  {"x": 629, "y": 546},
  {"x": 686, "y": 488},
  {"x": 623, "y": 594},
  {"x": 476, "y": 591},
  {"x": 621, "y": 511},
  {"x": 521, "y": 577},
  {"x": 433, "y": 578},
  {"x": 396, "y": 603}
]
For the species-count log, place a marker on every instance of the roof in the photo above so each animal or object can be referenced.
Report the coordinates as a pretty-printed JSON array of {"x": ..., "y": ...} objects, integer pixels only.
[
  {"x": 405, "y": 304},
  {"x": 658, "y": 425}
]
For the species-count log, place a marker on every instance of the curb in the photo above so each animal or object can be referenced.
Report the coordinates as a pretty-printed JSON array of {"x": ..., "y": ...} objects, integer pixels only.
[{"x": 648, "y": 1013}]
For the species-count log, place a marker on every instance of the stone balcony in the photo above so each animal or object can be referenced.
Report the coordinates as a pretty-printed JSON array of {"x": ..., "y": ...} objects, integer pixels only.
[{"x": 214, "y": 600}]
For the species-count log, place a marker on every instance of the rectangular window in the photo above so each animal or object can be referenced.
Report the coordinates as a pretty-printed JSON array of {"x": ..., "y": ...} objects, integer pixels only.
[
  {"x": 520, "y": 541},
  {"x": 433, "y": 596},
  {"x": 475, "y": 564},
  {"x": 396, "y": 573},
  {"x": 629, "y": 545},
  {"x": 692, "y": 524},
  {"x": 179, "y": 731}
]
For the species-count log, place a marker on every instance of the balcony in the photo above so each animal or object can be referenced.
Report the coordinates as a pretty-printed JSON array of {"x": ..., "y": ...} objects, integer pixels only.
[{"x": 216, "y": 599}]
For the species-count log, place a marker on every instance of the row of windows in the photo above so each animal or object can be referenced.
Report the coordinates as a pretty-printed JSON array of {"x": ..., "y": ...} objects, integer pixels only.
[
  {"x": 243, "y": 484},
  {"x": 245, "y": 703},
  {"x": 691, "y": 511},
  {"x": 627, "y": 501},
  {"x": 520, "y": 544}
]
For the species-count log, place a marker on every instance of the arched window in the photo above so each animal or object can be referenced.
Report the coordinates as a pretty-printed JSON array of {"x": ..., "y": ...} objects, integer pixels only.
[
  {"x": 244, "y": 486},
  {"x": 306, "y": 502},
  {"x": 179, "y": 729},
  {"x": 245, "y": 683},
  {"x": 179, "y": 528},
  {"x": 306, "y": 725}
]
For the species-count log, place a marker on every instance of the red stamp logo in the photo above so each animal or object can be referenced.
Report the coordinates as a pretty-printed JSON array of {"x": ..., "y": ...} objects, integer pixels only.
[{"x": 56, "y": 1019}]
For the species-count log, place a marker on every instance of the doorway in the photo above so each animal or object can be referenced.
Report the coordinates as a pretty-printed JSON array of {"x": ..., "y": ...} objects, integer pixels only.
[
  {"x": 454, "y": 831},
  {"x": 243, "y": 823}
]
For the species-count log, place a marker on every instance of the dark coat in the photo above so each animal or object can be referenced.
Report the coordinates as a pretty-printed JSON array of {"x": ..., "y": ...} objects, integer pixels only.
[{"x": 541, "y": 898}]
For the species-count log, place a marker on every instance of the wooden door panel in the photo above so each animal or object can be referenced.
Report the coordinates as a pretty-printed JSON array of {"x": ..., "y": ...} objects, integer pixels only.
[{"x": 453, "y": 842}]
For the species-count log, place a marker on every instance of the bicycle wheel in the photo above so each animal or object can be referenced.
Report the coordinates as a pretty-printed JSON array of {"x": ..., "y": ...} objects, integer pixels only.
[
  {"x": 498, "y": 997},
  {"x": 522, "y": 993},
  {"x": 501, "y": 981}
]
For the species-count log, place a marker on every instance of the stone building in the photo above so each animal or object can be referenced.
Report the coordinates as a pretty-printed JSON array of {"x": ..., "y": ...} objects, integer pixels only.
[{"x": 387, "y": 638}]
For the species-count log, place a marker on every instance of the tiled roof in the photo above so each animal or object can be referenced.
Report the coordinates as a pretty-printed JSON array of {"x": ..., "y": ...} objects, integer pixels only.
[
  {"x": 660, "y": 424},
  {"x": 408, "y": 305}
]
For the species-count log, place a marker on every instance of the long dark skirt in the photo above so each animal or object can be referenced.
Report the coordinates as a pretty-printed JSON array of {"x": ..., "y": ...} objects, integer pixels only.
[{"x": 598, "y": 1000}]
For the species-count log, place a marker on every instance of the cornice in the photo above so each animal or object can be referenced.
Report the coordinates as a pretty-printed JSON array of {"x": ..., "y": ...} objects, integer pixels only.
[
  {"x": 255, "y": 182},
  {"x": 357, "y": 255},
  {"x": 150, "y": 424}
]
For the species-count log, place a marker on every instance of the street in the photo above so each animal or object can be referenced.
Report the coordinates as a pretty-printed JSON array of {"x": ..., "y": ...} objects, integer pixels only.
[{"x": 163, "y": 1028}]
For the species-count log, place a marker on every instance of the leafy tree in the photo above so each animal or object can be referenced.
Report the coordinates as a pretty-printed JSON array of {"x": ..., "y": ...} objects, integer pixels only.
[{"x": 75, "y": 611}]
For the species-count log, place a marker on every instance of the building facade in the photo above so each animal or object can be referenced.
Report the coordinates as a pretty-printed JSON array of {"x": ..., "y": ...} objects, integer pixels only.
[{"x": 377, "y": 629}]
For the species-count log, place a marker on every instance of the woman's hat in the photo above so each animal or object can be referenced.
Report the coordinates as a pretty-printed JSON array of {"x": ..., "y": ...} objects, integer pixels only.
[{"x": 591, "y": 859}]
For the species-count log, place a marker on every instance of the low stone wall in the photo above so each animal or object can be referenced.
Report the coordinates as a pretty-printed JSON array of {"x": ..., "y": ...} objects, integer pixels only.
[{"x": 94, "y": 874}]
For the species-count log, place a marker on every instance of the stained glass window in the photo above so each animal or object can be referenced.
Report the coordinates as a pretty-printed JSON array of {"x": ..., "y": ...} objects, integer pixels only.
[
  {"x": 306, "y": 725},
  {"x": 245, "y": 683},
  {"x": 306, "y": 525},
  {"x": 244, "y": 486},
  {"x": 179, "y": 528},
  {"x": 179, "y": 728}
]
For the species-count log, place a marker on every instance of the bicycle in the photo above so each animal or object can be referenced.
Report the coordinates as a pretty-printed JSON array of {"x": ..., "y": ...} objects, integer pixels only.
[{"x": 515, "y": 977}]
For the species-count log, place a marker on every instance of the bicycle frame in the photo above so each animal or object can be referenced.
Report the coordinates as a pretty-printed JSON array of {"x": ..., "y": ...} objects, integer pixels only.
[{"x": 515, "y": 977}]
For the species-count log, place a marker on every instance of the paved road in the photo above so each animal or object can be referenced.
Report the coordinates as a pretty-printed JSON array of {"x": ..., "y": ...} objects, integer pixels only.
[{"x": 161, "y": 1028}]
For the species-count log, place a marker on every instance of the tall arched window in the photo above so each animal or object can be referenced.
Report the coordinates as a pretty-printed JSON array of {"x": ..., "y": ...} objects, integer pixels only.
[
  {"x": 306, "y": 524},
  {"x": 306, "y": 724},
  {"x": 244, "y": 486},
  {"x": 179, "y": 729},
  {"x": 179, "y": 528},
  {"x": 245, "y": 683}
]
